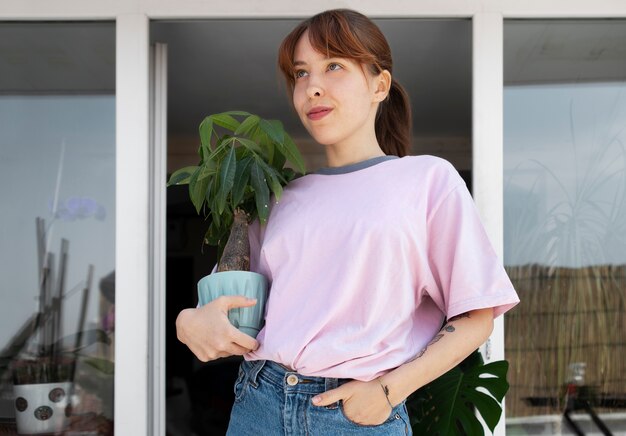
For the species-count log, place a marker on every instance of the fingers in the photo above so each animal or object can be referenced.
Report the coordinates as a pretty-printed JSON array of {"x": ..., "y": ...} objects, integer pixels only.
[
  {"x": 205, "y": 354},
  {"x": 329, "y": 397},
  {"x": 236, "y": 349},
  {"x": 228, "y": 302},
  {"x": 243, "y": 340}
]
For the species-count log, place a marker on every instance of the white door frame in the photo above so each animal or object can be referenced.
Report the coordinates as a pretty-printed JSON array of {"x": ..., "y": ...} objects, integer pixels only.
[
  {"x": 157, "y": 248},
  {"x": 139, "y": 360}
]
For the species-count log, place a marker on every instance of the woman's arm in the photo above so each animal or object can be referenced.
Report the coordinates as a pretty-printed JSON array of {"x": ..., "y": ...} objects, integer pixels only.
[
  {"x": 366, "y": 403},
  {"x": 460, "y": 336}
]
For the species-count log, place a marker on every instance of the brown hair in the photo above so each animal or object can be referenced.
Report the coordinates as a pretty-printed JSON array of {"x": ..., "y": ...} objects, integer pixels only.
[{"x": 349, "y": 34}]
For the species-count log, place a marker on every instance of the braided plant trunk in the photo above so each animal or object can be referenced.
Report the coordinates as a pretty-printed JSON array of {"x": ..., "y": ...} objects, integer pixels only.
[{"x": 236, "y": 255}]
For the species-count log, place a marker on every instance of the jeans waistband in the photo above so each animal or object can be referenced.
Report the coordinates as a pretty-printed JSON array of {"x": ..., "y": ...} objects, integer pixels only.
[{"x": 288, "y": 380}]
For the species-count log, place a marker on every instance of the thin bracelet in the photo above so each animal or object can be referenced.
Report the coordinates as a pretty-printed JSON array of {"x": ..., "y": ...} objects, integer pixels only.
[{"x": 386, "y": 391}]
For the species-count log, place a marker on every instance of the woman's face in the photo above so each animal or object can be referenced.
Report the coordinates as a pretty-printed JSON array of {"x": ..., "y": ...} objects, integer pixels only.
[{"x": 335, "y": 98}]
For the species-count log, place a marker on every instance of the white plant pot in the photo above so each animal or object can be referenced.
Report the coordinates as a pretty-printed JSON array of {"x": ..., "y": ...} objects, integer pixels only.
[{"x": 41, "y": 408}]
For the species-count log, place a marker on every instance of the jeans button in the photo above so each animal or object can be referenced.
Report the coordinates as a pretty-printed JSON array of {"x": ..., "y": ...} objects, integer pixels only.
[{"x": 292, "y": 380}]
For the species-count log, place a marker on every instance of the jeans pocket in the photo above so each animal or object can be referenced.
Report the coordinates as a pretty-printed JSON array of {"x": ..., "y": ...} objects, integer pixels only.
[
  {"x": 240, "y": 384},
  {"x": 390, "y": 418}
]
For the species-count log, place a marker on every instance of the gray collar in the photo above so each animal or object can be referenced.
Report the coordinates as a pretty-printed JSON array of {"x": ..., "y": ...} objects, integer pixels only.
[{"x": 355, "y": 166}]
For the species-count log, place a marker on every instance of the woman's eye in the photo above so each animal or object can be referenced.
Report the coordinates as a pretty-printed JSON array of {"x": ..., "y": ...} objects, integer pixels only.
[
  {"x": 299, "y": 73},
  {"x": 334, "y": 67}
]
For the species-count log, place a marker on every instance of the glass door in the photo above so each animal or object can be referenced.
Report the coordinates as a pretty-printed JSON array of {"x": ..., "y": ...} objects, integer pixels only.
[
  {"x": 565, "y": 224},
  {"x": 57, "y": 256}
]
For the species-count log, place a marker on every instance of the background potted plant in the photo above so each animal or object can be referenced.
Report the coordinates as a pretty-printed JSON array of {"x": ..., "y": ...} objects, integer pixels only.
[
  {"x": 242, "y": 163},
  {"x": 43, "y": 363}
]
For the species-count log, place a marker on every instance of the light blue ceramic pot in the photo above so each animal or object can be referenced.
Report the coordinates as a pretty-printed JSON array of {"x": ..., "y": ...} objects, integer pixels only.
[{"x": 249, "y": 284}]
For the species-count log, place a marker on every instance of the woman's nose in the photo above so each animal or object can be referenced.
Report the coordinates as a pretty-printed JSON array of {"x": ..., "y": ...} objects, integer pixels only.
[{"x": 315, "y": 89}]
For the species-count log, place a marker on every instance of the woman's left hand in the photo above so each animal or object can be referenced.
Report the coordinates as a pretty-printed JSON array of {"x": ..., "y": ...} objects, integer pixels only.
[{"x": 364, "y": 403}]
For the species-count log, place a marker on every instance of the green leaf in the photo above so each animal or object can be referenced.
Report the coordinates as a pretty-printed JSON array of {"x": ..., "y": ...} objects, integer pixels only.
[
  {"x": 446, "y": 405},
  {"x": 242, "y": 176},
  {"x": 225, "y": 120},
  {"x": 276, "y": 159},
  {"x": 208, "y": 169},
  {"x": 211, "y": 197},
  {"x": 274, "y": 130},
  {"x": 261, "y": 191},
  {"x": 197, "y": 189},
  {"x": 288, "y": 174},
  {"x": 290, "y": 150},
  {"x": 265, "y": 142},
  {"x": 248, "y": 125},
  {"x": 227, "y": 179},
  {"x": 206, "y": 130},
  {"x": 250, "y": 145},
  {"x": 204, "y": 153},
  {"x": 274, "y": 182},
  {"x": 181, "y": 176}
]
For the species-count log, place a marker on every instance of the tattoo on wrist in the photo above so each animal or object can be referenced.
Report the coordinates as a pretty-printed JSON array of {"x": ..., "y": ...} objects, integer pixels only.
[{"x": 386, "y": 391}]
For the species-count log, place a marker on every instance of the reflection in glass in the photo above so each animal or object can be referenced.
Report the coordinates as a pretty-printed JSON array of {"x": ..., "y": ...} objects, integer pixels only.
[
  {"x": 57, "y": 258},
  {"x": 565, "y": 228}
]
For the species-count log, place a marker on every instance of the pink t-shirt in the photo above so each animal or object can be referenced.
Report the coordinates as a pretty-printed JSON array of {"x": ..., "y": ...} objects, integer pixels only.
[{"x": 364, "y": 266}]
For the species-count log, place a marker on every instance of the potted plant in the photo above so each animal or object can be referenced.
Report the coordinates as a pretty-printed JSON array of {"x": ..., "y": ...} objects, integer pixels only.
[
  {"x": 41, "y": 362},
  {"x": 242, "y": 163}
]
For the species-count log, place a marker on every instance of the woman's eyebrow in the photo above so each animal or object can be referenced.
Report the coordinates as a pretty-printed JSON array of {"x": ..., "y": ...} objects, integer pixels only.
[{"x": 334, "y": 58}]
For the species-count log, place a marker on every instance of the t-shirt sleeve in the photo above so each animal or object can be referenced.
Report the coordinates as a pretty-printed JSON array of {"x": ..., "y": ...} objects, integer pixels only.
[{"x": 468, "y": 273}]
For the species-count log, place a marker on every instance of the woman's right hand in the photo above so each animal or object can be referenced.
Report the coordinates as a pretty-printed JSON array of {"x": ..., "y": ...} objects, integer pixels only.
[{"x": 209, "y": 334}]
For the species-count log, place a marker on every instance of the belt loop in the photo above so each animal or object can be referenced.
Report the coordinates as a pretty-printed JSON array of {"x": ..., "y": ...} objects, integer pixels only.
[{"x": 257, "y": 365}]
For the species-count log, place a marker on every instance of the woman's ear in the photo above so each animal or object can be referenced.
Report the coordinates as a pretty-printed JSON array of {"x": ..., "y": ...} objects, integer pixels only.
[{"x": 383, "y": 85}]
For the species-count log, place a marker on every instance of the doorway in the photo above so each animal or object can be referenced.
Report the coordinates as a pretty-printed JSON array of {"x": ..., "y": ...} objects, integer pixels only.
[{"x": 230, "y": 64}]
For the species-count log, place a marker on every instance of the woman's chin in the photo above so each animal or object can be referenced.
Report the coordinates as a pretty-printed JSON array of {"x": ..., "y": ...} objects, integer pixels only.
[{"x": 326, "y": 140}]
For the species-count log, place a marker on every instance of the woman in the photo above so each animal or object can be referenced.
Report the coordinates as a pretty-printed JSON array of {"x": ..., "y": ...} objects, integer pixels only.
[{"x": 366, "y": 258}]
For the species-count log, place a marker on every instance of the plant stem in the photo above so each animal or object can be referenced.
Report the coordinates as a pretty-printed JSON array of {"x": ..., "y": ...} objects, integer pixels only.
[{"x": 236, "y": 255}]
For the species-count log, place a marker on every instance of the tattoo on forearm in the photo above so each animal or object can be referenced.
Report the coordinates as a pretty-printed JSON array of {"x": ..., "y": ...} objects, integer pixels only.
[
  {"x": 448, "y": 328},
  {"x": 435, "y": 339}
]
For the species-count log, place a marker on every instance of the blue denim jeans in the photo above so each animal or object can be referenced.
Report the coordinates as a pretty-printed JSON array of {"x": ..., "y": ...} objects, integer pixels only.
[{"x": 270, "y": 400}]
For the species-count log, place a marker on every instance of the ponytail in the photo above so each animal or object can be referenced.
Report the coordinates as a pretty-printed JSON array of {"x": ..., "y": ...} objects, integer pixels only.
[{"x": 393, "y": 122}]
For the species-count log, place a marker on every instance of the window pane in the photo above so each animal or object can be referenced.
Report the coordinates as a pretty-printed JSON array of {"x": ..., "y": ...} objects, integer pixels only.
[
  {"x": 565, "y": 223},
  {"x": 57, "y": 257}
]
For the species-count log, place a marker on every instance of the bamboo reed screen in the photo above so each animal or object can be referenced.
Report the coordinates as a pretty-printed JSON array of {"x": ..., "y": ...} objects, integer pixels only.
[{"x": 565, "y": 315}]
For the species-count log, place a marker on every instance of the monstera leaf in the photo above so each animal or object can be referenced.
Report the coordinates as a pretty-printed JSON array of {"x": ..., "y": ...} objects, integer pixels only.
[{"x": 447, "y": 405}]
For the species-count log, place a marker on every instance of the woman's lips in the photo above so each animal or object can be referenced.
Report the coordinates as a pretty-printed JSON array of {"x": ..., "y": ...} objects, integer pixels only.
[{"x": 318, "y": 113}]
